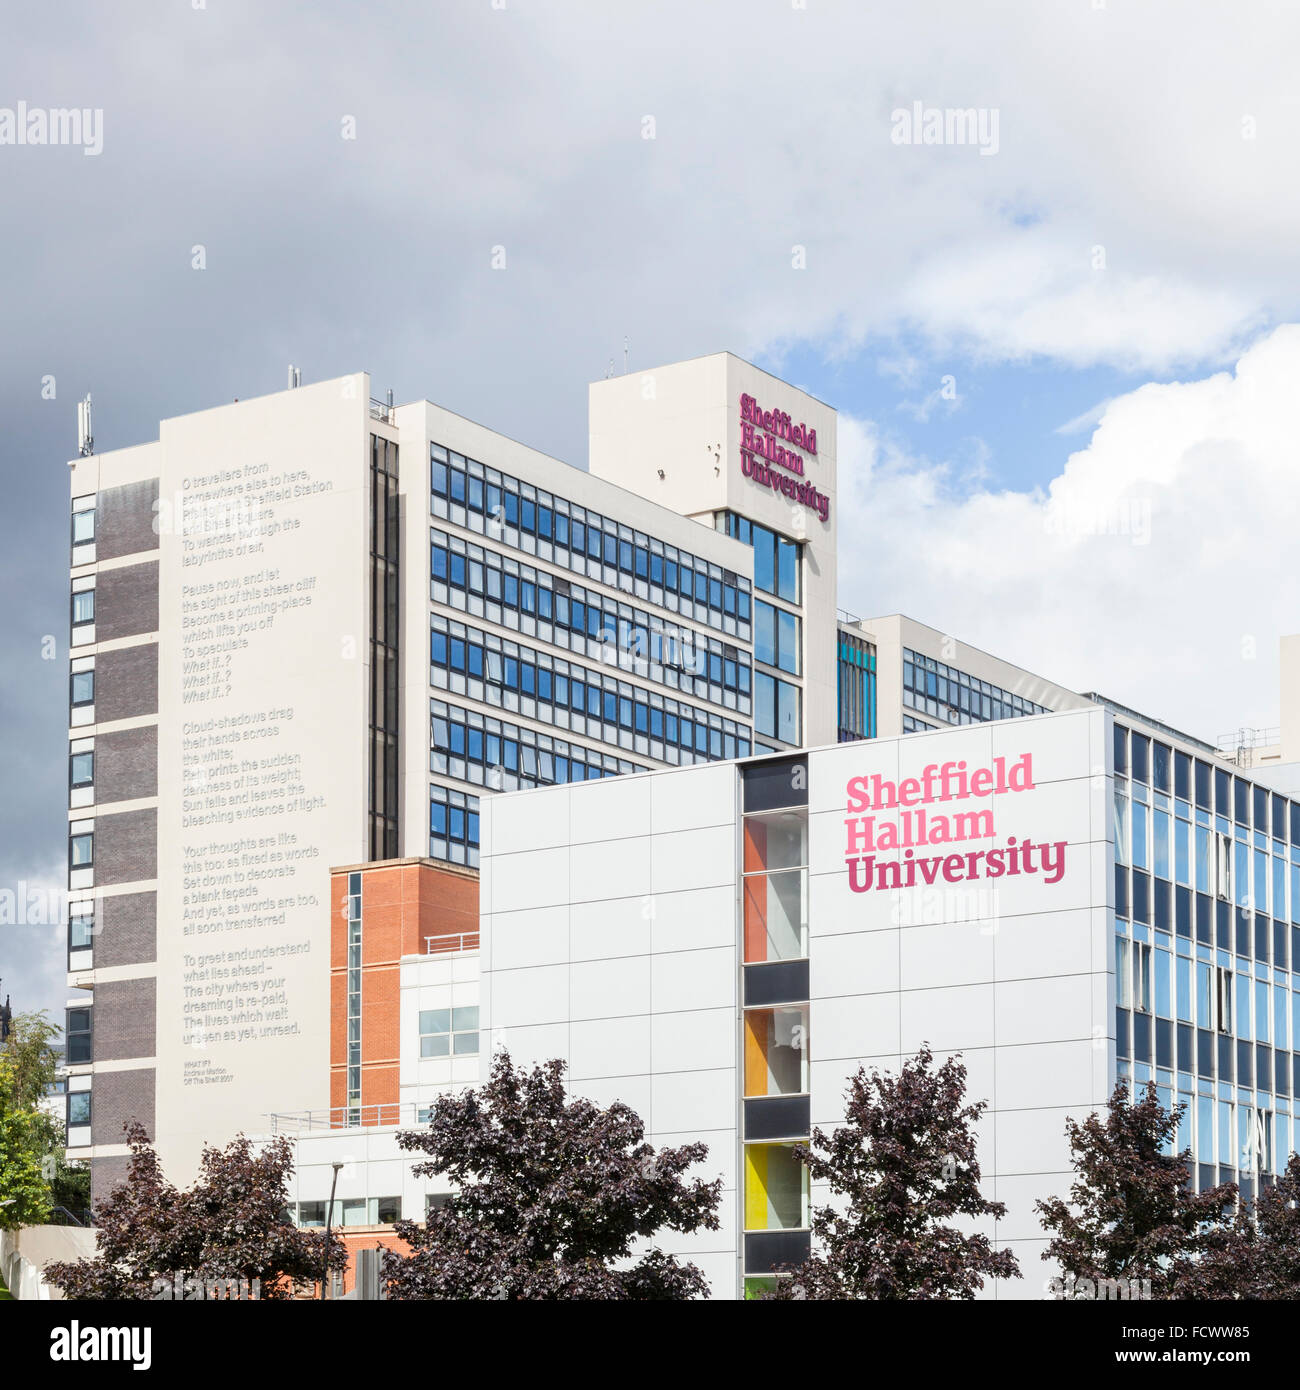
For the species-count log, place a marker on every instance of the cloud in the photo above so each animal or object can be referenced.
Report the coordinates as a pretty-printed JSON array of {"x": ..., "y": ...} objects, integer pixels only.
[{"x": 1154, "y": 567}]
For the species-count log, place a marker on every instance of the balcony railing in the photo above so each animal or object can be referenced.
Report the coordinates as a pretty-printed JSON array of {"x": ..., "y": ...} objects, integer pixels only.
[
  {"x": 405, "y": 1113},
  {"x": 451, "y": 941}
]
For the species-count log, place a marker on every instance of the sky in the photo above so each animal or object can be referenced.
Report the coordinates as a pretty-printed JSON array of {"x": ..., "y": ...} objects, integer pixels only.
[{"x": 1064, "y": 350}]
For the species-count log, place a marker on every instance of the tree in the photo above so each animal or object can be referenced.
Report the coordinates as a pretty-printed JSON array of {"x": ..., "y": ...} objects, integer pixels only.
[
  {"x": 232, "y": 1224},
  {"x": 904, "y": 1163},
  {"x": 32, "y": 1138},
  {"x": 24, "y": 1192},
  {"x": 1135, "y": 1217},
  {"x": 1274, "y": 1253},
  {"x": 555, "y": 1196}
]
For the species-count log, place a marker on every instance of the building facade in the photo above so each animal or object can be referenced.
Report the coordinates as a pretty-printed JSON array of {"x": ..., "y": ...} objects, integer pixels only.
[
  {"x": 1067, "y": 901},
  {"x": 314, "y": 629}
]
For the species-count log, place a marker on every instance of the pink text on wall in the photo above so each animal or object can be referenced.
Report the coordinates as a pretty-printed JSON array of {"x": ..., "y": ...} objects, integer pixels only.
[
  {"x": 881, "y": 849},
  {"x": 770, "y": 445}
]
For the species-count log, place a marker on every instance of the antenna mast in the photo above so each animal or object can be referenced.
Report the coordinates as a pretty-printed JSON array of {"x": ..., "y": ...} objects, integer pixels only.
[{"x": 85, "y": 436}]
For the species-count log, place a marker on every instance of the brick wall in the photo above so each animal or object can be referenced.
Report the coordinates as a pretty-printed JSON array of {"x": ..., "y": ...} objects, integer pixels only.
[
  {"x": 126, "y": 601},
  {"x": 125, "y": 1021},
  {"x": 119, "y": 1096},
  {"x": 128, "y": 929},
  {"x": 126, "y": 847},
  {"x": 126, "y": 764},
  {"x": 124, "y": 519},
  {"x": 126, "y": 682}
]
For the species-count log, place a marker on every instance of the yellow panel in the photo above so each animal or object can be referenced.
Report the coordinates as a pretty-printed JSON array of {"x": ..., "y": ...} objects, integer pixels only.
[{"x": 755, "y": 1187}]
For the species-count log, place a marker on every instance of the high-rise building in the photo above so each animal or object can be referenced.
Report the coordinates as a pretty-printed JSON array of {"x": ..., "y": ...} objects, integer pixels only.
[{"x": 314, "y": 629}]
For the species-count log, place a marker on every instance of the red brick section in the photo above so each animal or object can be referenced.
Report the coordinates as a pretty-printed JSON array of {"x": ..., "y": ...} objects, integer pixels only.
[{"x": 403, "y": 903}]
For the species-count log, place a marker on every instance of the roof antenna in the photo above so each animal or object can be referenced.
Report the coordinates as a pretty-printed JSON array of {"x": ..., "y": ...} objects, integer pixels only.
[
  {"x": 85, "y": 437},
  {"x": 625, "y": 347},
  {"x": 295, "y": 377}
]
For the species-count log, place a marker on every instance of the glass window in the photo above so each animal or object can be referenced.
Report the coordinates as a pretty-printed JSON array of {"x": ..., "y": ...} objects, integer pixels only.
[
  {"x": 83, "y": 688},
  {"x": 776, "y": 1051},
  {"x": 83, "y": 607},
  {"x": 449, "y": 1032},
  {"x": 81, "y": 851},
  {"x": 81, "y": 929},
  {"x": 776, "y": 1188},
  {"x": 83, "y": 526},
  {"x": 78, "y": 1107},
  {"x": 787, "y": 586},
  {"x": 81, "y": 769},
  {"x": 77, "y": 1033}
]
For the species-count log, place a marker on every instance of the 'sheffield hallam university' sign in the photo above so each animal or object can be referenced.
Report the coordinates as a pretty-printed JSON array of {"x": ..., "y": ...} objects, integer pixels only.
[
  {"x": 767, "y": 461},
  {"x": 912, "y": 825}
]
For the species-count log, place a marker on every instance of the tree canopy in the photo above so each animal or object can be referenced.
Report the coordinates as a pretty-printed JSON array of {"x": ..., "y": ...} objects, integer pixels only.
[{"x": 556, "y": 1198}]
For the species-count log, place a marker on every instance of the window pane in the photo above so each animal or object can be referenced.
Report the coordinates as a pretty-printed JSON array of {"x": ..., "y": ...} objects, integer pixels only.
[
  {"x": 776, "y": 1052},
  {"x": 83, "y": 527},
  {"x": 765, "y": 633},
  {"x": 464, "y": 1018},
  {"x": 83, "y": 687},
  {"x": 775, "y": 913}
]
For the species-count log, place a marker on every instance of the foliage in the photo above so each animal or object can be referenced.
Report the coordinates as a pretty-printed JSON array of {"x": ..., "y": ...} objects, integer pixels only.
[
  {"x": 24, "y": 1193},
  {"x": 905, "y": 1166},
  {"x": 232, "y": 1224},
  {"x": 556, "y": 1198},
  {"x": 1134, "y": 1215}
]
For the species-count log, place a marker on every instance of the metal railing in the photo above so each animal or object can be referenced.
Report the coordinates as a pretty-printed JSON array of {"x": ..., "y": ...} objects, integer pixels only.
[
  {"x": 381, "y": 410},
  {"x": 451, "y": 941},
  {"x": 394, "y": 1113}
]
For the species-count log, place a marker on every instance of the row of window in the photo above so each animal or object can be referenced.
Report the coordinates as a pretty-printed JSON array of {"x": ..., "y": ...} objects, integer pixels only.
[
  {"x": 482, "y": 666},
  {"x": 776, "y": 557},
  {"x": 519, "y": 515},
  {"x": 1233, "y": 1129},
  {"x": 354, "y": 1014},
  {"x": 1220, "y": 858},
  {"x": 1151, "y": 763},
  {"x": 951, "y": 694},
  {"x": 855, "y": 689},
  {"x": 350, "y": 1211},
  {"x": 1212, "y": 990},
  {"x": 1210, "y": 922},
  {"x": 492, "y": 753},
  {"x": 569, "y": 616},
  {"x": 774, "y": 987},
  {"x": 453, "y": 826}
]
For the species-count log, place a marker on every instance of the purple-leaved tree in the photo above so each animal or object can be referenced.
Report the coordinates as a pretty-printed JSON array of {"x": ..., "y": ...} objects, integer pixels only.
[
  {"x": 556, "y": 1198},
  {"x": 904, "y": 1167}
]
